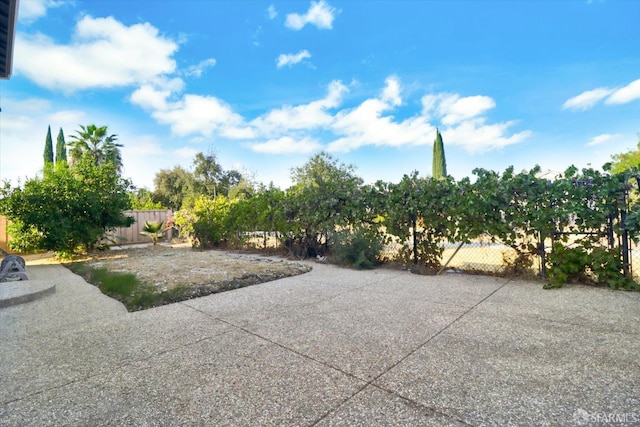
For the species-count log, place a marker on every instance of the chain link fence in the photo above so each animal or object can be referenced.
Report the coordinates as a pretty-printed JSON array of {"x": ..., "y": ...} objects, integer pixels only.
[{"x": 479, "y": 256}]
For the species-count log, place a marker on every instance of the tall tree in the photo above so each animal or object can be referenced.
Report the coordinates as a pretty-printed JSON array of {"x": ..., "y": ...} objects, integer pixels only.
[
  {"x": 439, "y": 166},
  {"x": 207, "y": 173},
  {"x": 61, "y": 148},
  {"x": 174, "y": 188},
  {"x": 48, "y": 149},
  {"x": 94, "y": 142}
]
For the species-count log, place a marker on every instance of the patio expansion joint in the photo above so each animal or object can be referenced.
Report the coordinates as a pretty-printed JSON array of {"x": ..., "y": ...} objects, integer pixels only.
[
  {"x": 112, "y": 369},
  {"x": 395, "y": 393}
]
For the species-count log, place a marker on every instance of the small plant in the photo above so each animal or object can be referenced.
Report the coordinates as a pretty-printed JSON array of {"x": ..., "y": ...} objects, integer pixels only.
[
  {"x": 154, "y": 230},
  {"x": 360, "y": 248},
  {"x": 125, "y": 287},
  {"x": 567, "y": 264},
  {"x": 587, "y": 264}
]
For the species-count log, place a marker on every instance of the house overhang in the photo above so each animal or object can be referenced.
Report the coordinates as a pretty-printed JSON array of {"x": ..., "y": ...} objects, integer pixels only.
[{"x": 8, "y": 20}]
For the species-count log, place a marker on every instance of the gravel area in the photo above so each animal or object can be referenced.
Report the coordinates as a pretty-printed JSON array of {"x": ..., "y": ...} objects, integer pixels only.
[{"x": 193, "y": 273}]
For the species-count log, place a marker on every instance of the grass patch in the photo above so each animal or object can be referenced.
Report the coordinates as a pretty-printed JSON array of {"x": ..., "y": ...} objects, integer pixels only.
[{"x": 125, "y": 287}]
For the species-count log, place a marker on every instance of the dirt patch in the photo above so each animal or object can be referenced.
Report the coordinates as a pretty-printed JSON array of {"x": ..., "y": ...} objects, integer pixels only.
[{"x": 184, "y": 273}]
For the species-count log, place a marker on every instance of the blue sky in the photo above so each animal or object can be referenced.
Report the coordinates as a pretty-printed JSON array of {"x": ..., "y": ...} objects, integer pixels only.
[{"x": 265, "y": 85}]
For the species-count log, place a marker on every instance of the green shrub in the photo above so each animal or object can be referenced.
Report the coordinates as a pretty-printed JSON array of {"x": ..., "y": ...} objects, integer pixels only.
[
  {"x": 209, "y": 228},
  {"x": 360, "y": 248},
  {"x": 586, "y": 264}
]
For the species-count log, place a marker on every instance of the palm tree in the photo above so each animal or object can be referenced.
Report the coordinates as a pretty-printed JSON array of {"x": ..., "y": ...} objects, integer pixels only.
[{"x": 93, "y": 141}]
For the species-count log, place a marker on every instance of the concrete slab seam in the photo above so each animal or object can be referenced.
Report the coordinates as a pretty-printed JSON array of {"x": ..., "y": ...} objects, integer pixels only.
[
  {"x": 371, "y": 382},
  {"x": 284, "y": 347},
  {"x": 115, "y": 368},
  {"x": 393, "y": 392}
]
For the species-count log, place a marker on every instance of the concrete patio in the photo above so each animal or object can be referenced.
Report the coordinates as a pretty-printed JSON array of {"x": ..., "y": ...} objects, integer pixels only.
[{"x": 330, "y": 347}]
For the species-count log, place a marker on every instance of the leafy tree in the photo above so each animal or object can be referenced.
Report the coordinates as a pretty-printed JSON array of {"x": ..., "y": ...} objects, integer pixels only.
[
  {"x": 61, "y": 149},
  {"x": 174, "y": 188},
  {"x": 625, "y": 161},
  {"x": 244, "y": 189},
  {"x": 419, "y": 210},
  {"x": 48, "y": 149},
  {"x": 324, "y": 197},
  {"x": 94, "y": 142},
  {"x": 228, "y": 181},
  {"x": 439, "y": 167},
  {"x": 142, "y": 200},
  {"x": 68, "y": 209},
  {"x": 210, "y": 178},
  {"x": 262, "y": 211},
  {"x": 207, "y": 173}
]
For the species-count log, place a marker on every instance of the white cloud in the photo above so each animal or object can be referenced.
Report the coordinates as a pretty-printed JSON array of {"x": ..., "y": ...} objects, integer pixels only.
[
  {"x": 602, "y": 139},
  {"x": 306, "y": 116},
  {"x": 150, "y": 98},
  {"x": 287, "y": 145},
  {"x": 475, "y": 136},
  {"x": 367, "y": 125},
  {"x": 297, "y": 128},
  {"x": 452, "y": 108},
  {"x": 271, "y": 12},
  {"x": 103, "y": 53},
  {"x": 196, "y": 114},
  {"x": 31, "y": 10},
  {"x": 465, "y": 124},
  {"x": 626, "y": 94},
  {"x": 391, "y": 92},
  {"x": 292, "y": 58},
  {"x": 197, "y": 70},
  {"x": 320, "y": 14},
  {"x": 587, "y": 99}
]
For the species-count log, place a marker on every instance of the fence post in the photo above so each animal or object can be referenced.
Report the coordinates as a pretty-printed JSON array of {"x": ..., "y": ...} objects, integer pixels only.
[
  {"x": 625, "y": 234},
  {"x": 543, "y": 256}
]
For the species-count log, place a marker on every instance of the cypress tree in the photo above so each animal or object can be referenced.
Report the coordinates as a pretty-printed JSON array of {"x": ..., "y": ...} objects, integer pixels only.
[
  {"x": 61, "y": 148},
  {"x": 439, "y": 166},
  {"x": 48, "y": 149}
]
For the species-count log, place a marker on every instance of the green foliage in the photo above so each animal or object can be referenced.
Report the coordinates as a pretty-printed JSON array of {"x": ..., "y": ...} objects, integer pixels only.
[
  {"x": 209, "y": 228},
  {"x": 326, "y": 195},
  {"x": 439, "y": 166},
  {"x": 626, "y": 161},
  {"x": 61, "y": 149},
  {"x": 142, "y": 200},
  {"x": 154, "y": 230},
  {"x": 207, "y": 173},
  {"x": 48, "y": 149},
  {"x": 587, "y": 264},
  {"x": 179, "y": 189},
  {"x": 174, "y": 188},
  {"x": 95, "y": 144},
  {"x": 358, "y": 248},
  {"x": 419, "y": 211},
  {"x": 568, "y": 264},
  {"x": 125, "y": 287},
  {"x": 68, "y": 209},
  {"x": 183, "y": 221}
]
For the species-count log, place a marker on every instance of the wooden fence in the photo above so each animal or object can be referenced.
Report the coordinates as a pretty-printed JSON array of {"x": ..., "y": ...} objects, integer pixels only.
[
  {"x": 131, "y": 235},
  {"x": 4, "y": 234},
  {"x": 121, "y": 236}
]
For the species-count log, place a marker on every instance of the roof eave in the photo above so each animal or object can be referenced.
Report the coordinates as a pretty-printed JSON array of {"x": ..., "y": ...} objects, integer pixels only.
[{"x": 12, "y": 19}]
